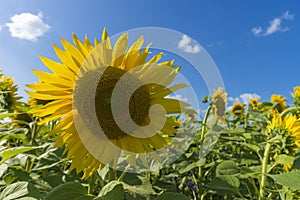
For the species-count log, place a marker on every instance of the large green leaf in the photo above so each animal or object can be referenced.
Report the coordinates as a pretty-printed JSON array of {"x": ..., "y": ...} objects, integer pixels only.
[
  {"x": 9, "y": 153},
  {"x": 284, "y": 159},
  {"x": 70, "y": 190},
  {"x": 144, "y": 190},
  {"x": 172, "y": 196},
  {"x": 224, "y": 182},
  {"x": 112, "y": 191},
  {"x": 212, "y": 123},
  {"x": 227, "y": 167},
  {"x": 20, "y": 190},
  {"x": 290, "y": 179}
]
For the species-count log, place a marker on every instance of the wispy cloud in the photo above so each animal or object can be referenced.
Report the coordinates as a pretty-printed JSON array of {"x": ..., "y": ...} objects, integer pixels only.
[
  {"x": 215, "y": 44},
  {"x": 274, "y": 26},
  {"x": 243, "y": 98},
  {"x": 27, "y": 26},
  {"x": 256, "y": 31},
  {"x": 177, "y": 97},
  {"x": 0, "y": 27},
  {"x": 185, "y": 45}
]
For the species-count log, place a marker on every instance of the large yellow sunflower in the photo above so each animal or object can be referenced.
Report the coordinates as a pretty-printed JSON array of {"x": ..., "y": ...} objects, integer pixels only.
[
  {"x": 8, "y": 91},
  {"x": 81, "y": 89},
  {"x": 289, "y": 129}
]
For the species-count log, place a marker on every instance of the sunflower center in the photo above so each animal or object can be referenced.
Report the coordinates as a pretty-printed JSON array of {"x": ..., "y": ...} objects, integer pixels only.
[{"x": 139, "y": 102}]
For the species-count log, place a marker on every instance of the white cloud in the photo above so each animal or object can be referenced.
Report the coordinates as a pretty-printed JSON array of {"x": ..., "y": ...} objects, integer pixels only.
[
  {"x": 243, "y": 98},
  {"x": 0, "y": 27},
  {"x": 27, "y": 26},
  {"x": 256, "y": 31},
  {"x": 185, "y": 45},
  {"x": 287, "y": 16},
  {"x": 177, "y": 97},
  {"x": 274, "y": 26}
]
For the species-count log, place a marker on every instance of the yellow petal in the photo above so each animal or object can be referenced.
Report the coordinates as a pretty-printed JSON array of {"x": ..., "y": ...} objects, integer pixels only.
[
  {"x": 119, "y": 50},
  {"x": 105, "y": 39},
  {"x": 73, "y": 50}
]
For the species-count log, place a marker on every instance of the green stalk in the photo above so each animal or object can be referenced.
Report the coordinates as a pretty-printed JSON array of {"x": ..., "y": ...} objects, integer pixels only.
[
  {"x": 286, "y": 111},
  {"x": 264, "y": 172},
  {"x": 121, "y": 177},
  {"x": 91, "y": 183},
  {"x": 112, "y": 174},
  {"x": 33, "y": 133},
  {"x": 203, "y": 130}
]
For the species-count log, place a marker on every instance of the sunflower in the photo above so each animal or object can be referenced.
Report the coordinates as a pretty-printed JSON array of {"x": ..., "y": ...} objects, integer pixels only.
[
  {"x": 296, "y": 92},
  {"x": 296, "y": 95},
  {"x": 81, "y": 91},
  {"x": 33, "y": 102},
  {"x": 281, "y": 102},
  {"x": 219, "y": 102},
  {"x": 288, "y": 129},
  {"x": 237, "y": 109},
  {"x": 254, "y": 103},
  {"x": 8, "y": 91}
]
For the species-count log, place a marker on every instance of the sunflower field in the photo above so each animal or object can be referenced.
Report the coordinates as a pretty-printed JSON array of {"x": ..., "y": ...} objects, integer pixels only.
[{"x": 239, "y": 152}]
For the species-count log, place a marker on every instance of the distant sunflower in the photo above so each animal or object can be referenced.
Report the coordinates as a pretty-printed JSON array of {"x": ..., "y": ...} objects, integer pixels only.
[
  {"x": 238, "y": 109},
  {"x": 296, "y": 95},
  {"x": 289, "y": 129},
  {"x": 281, "y": 102},
  {"x": 219, "y": 102},
  {"x": 254, "y": 103},
  {"x": 68, "y": 81},
  {"x": 33, "y": 102},
  {"x": 296, "y": 92},
  {"x": 8, "y": 91}
]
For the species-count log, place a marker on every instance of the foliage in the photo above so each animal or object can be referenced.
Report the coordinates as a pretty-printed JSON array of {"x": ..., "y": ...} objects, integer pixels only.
[{"x": 238, "y": 157}]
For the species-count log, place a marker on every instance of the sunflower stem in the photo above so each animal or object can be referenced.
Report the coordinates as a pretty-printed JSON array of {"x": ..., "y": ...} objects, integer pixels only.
[
  {"x": 91, "y": 183},
  {"x": 112, "y": 174},
  {"x": 121, "y": 177},
  {"x": 33, "y": 133},
  {"x": 203, "y": 130},
  {"x": 286, "y": 111},
  {"x": 264, "y": 172}
]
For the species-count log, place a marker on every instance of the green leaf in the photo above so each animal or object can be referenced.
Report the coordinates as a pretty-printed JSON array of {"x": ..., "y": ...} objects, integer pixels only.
[
  {"x": 296, "y": 164},
  {"x": 4, "y": 115},
  {"x": 191, "y": 166},
  {"x": 284, "y": 159},
  {"x": 211, "y": 122},
  {"x": 290, "y": 179},
  {"x": 227, "y": 167},
  {"x": 19, "y": 190},
  {"x": 172, "y": 196},
  {"x": 3, "y": 169},
  {"x": 224, "y": 183},
  {"x": 9, "y": 153},
  {"x": 70, "y": 190},
  {"x": 251, "y": 147},
  {"x": 112, "y": 191},
  {"x": 143, "y": 190}
]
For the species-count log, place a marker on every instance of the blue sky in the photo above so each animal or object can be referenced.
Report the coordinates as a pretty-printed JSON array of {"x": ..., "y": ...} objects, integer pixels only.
[{"x": 255, "y": 44}]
